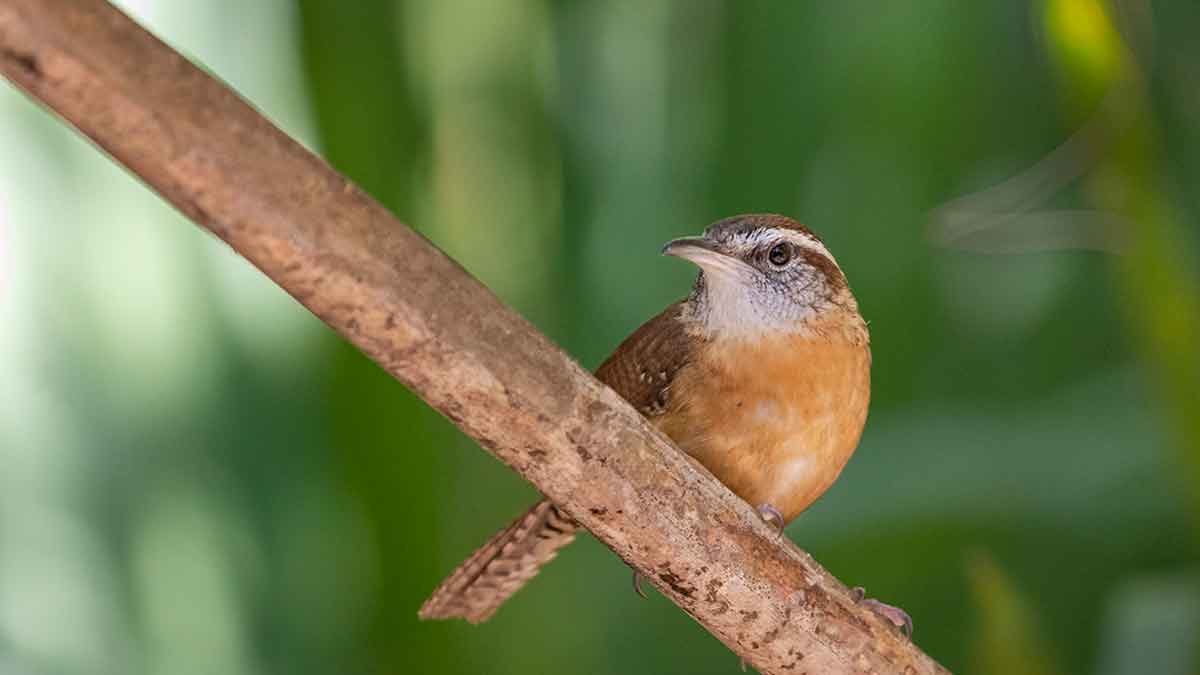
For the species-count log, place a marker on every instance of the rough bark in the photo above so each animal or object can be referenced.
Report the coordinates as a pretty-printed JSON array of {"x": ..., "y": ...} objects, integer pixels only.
[{"x": 444, "y": 335}]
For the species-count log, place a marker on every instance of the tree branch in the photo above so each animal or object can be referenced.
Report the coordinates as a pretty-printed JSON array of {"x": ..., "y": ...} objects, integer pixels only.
[{"x": 436, "y": 329}]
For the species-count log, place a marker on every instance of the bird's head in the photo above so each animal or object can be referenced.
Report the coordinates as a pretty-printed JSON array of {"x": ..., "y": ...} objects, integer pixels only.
[{"x": 761, "y": 273}]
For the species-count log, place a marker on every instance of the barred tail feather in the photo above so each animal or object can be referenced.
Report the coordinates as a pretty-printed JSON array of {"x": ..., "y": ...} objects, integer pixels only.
[{"x": 502, "y": 566}]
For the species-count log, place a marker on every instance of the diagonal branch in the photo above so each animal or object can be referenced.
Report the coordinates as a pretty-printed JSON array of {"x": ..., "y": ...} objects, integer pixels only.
[{"x": 440, "y": 332}]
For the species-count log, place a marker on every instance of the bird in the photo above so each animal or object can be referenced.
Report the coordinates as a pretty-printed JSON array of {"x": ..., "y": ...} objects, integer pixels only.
[{"x": 761, "y": 374}]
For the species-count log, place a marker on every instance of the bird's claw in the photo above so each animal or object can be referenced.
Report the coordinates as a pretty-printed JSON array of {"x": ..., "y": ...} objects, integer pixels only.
[
  {"x": 895, "y": 616},
  {"x": 637, "y": 584},
  {"x": 772, "y": 515}
]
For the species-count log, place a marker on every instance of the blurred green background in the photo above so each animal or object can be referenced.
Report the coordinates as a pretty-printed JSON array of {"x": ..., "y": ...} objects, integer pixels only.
[{"x": 197, "y": 476}]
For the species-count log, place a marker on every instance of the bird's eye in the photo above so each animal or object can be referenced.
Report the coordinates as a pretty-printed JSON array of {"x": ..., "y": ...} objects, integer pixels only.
[{"x": 780, "y": 254}]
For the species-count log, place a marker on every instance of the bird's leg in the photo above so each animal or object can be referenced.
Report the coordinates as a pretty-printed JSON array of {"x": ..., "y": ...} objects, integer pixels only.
[
  {"x": 637, "y": 583},
  {"x": 895, "y": 616},
  {"x": 772, "y": 515}
]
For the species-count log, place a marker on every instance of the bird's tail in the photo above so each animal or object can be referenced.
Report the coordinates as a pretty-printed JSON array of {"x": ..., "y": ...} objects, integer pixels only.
[{"x": 502, "y": 566}]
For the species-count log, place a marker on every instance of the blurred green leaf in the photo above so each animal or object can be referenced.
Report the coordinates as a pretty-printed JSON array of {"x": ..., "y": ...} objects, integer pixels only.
[
  {"x": 1086, "y": 47},
  {"x": 1008, "y": 638},
  {"x": 1157, "y": 281},
  {"x": 368, "y": 125},
  {"x": 388, "y": 445}
]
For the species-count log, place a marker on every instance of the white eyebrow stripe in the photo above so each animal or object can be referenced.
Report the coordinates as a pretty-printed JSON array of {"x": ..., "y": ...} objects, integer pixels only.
[
  {"x": 814, "y": 245},
  {"x": 799, "y": 238}
]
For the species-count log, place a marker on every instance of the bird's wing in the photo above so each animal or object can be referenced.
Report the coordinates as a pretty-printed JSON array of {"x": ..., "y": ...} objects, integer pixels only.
[{"x": 644, "y": 365}]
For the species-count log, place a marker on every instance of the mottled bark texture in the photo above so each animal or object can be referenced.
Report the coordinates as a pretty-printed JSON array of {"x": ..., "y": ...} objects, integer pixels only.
[{"x": 437, "y": 330}]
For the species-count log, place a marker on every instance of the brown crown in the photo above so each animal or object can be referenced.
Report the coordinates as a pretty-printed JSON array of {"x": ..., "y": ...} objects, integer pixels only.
[{"x": 749, "y": 222}]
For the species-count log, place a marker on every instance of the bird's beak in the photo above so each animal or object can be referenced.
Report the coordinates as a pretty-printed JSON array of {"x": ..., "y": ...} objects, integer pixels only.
[{"x": 705, "y": 253}]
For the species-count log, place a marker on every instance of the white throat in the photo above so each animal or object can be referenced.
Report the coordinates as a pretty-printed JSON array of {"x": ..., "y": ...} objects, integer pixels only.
[{"x": 728, "y": 305}]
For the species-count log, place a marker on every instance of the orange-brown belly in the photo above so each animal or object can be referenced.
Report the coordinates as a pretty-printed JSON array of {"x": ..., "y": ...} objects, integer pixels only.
[{"x": 775, "y": 419}]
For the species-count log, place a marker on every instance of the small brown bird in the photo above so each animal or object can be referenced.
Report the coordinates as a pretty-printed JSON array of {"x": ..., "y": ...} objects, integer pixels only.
[{"x": 762, "y": 374}]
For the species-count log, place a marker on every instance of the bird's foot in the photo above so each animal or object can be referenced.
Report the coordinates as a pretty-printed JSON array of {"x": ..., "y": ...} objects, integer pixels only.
[
  {"x": 772, "y": 515},
  {"x": 895, "y": 616},
  {"x": 637, "y": 584}
]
